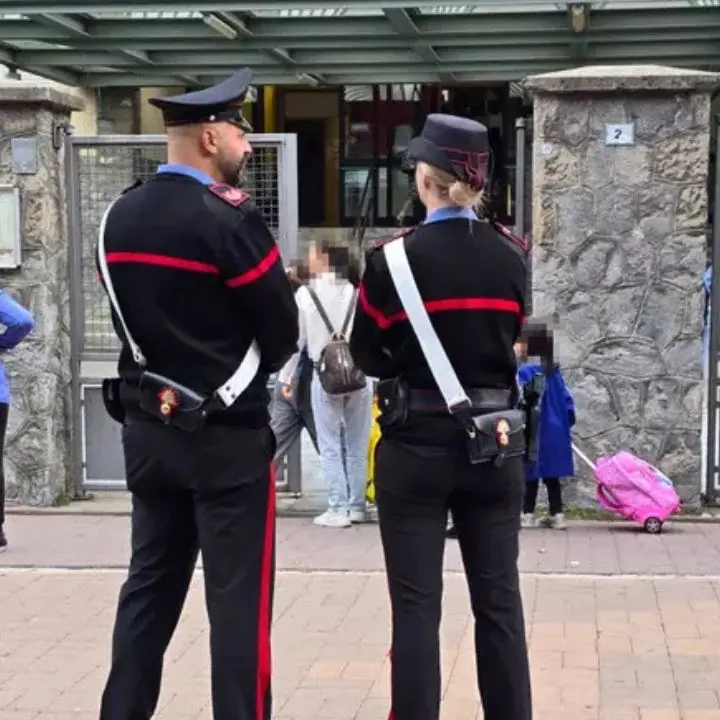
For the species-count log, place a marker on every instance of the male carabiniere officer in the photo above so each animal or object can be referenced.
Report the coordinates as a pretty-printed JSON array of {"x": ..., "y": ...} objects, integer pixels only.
[{"x": 201, "y": 297}]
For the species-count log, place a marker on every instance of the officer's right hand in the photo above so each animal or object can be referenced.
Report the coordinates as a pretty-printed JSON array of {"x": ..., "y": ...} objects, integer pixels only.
[{"x": 287, "y": 391}]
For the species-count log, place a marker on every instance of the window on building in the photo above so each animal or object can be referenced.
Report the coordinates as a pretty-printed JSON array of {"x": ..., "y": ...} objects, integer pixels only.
[{"x": 377, "y": 125}]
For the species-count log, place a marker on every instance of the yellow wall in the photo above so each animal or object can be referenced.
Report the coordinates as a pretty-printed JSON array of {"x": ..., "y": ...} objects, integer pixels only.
[
  {"x": 269, "y": 108},
  {"x": 85, "y": 122},
  {"x": 151, "y": 121},
  {"x": 320, "y": 105}
]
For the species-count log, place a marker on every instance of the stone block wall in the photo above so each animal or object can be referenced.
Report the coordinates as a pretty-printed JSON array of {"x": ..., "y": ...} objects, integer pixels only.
[
  {"x": 619, "y": 249},
  {"x": 37, "y": 457}
]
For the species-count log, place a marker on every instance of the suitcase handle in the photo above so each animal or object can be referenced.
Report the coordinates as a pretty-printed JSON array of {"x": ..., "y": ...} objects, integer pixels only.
[{"x": 584, "y": 457}]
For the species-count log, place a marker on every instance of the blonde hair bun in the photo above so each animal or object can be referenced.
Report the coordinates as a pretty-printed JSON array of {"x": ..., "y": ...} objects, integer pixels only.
[{"x": 458, "y": 193}]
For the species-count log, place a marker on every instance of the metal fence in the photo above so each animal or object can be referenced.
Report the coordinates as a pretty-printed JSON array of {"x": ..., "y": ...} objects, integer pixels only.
[
  {"x": 98, "y": 169},
  {"x": 711, "y": 401},
  {"x": 523, "y": 192}
]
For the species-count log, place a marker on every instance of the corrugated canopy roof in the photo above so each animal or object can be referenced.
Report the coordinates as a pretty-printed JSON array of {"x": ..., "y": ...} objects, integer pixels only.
[{"x": 193, "y": 42}]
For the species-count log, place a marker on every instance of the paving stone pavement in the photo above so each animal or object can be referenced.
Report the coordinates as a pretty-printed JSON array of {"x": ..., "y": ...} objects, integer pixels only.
[
  {"x": 593, "y": 548},
  {"x": 630, "y": 631}
]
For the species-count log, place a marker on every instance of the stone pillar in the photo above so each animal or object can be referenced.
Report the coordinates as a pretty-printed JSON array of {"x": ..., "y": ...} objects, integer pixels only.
[
  {"x": 37, "y": 457},
  {"x": 619, "y": 251}
]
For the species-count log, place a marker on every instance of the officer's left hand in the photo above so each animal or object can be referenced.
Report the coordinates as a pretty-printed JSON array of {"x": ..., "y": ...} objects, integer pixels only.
[{"x": 287, "y": 391}]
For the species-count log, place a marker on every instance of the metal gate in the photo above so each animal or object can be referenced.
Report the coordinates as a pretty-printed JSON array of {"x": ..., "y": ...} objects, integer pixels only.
[
  {"x": 98, "y": 168},
  {"x": 523, "y": 192},
  {"x": 710, "y": 435}
]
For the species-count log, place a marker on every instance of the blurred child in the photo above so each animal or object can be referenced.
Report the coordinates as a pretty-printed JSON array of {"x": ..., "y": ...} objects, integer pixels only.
[{"x": 554, "y": 444}]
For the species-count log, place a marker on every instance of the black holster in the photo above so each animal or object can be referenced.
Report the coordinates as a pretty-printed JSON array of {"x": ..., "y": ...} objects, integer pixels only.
[
  {"x": 163, "y": 399},
  {"x": 394, "y": 402},
  {"x": 494, "y": 436},
  {"x": 173, "y": 403}
]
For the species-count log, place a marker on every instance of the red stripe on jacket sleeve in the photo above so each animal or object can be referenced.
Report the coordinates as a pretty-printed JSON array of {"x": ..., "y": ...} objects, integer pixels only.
[
  {"x": 455, "y": 304},
  {"x": 435, "y": 306},
  {"x": 380, "y": 320},
  {"x": 169, "y": 261},
  {"x": 257, "y": 272},
  {"x": 264, "y": 656}
]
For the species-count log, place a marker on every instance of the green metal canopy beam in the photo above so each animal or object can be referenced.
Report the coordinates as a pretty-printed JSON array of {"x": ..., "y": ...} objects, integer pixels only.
[
  {"x": 432, "y": 28},
  {"x": 440, "y": 42},
  {"x": 239, "y": 26},
  {"x": 393, "y": 43},
  {"x": 404, "y": 25},
  {"x": 27, "y": 7},
  {"x": 309, "y": 61},
  {"x": 492, "y": 73},
  {"x": 67, "y": 25},
  {"x": 396, "y": 71},
  {"x": 65, "y": 77}
]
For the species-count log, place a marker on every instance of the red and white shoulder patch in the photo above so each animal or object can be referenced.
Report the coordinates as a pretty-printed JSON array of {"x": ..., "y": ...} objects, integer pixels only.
[
  {"x": 514, "y": 239},
  {"x": 231, "y": 195}
]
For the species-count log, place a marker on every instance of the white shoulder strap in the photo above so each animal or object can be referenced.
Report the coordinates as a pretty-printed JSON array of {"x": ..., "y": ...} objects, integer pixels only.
[
  {"x": 435, "y": 355},
  {"x": 105, "y": 274},
  {"x": 230, "y": 390}
]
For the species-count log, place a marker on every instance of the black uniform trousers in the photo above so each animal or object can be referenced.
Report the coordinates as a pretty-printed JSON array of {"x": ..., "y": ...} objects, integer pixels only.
[
  {"x": 212, "y": 491},
  {"x": 414, "y": 492}
]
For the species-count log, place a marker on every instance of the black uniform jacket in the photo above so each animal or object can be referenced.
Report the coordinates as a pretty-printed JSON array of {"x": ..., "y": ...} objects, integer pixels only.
[
  {"x": 198, "y": 276},
  {"x": 473, "y": 279}
]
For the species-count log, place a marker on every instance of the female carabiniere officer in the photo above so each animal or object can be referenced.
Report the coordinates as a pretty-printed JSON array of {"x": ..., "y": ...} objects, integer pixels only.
[{"x": 472, "y": 280}]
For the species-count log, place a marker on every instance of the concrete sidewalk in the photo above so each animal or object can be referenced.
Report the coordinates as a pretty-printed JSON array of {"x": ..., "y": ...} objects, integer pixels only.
[
  {"x": 644, "y": 645},
  {"x": 90, "y": 541}
]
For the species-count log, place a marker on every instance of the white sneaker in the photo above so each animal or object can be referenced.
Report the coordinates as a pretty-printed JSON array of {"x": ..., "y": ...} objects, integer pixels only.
[
  {"x": 557, "y": 522},
  {"x": 528, "y": 521},
  {"x": 357, "y": 516},
  {"x": 333, "y": 519}
]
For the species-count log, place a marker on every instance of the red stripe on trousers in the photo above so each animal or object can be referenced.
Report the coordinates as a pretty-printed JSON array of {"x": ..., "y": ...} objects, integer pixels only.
[
  {"x": 434, "y": 306},
  {"x": 257, "y": 272},
  {"x": 391, "y": 716},
  {"x": 161, "y": 260},
  {"x": 266, "y": 569}
]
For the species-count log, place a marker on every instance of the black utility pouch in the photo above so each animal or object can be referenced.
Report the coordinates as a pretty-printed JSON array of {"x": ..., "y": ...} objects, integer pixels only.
[
  {"x": 172, "y": 403},
  {"x": 111, "y": 399},
  {"x": 495, "y": 437},
  {"x": 393, "y": 401}
]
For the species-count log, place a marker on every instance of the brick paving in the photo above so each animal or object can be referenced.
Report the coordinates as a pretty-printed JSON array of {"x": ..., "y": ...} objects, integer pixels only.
[{"x": 621, "y": 625}]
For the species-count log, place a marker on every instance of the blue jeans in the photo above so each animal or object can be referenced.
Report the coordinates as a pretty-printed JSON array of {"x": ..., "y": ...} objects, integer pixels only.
[
  {"x": 287, "y": 420},
  {"x": 349, "y": 418}
]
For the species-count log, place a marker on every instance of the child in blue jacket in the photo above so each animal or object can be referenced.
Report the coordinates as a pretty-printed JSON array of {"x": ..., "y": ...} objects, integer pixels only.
[{"x": 554, "y": 443}]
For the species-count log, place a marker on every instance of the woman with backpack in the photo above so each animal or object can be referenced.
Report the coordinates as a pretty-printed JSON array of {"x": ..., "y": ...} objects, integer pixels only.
[{"x": 341, "y": 394}]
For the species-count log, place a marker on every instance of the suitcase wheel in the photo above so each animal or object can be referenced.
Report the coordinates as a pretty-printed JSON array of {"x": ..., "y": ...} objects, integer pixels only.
[{"x": 653, "y": 525}]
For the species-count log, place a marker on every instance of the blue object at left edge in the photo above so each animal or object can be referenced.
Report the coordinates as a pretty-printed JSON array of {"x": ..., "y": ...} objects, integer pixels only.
[{"x": 18, "y": 322}]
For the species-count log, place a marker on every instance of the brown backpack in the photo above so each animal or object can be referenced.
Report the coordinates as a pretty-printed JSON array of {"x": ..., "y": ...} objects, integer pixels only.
[{"x": 337, "y": 372}]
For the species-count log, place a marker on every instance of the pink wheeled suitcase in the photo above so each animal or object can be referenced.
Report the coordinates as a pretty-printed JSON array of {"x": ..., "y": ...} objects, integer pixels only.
[{"x": 633, "y": 489}]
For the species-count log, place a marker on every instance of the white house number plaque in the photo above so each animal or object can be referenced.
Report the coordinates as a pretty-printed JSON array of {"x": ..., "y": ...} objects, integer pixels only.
[{"x": 620, "y": 134}]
